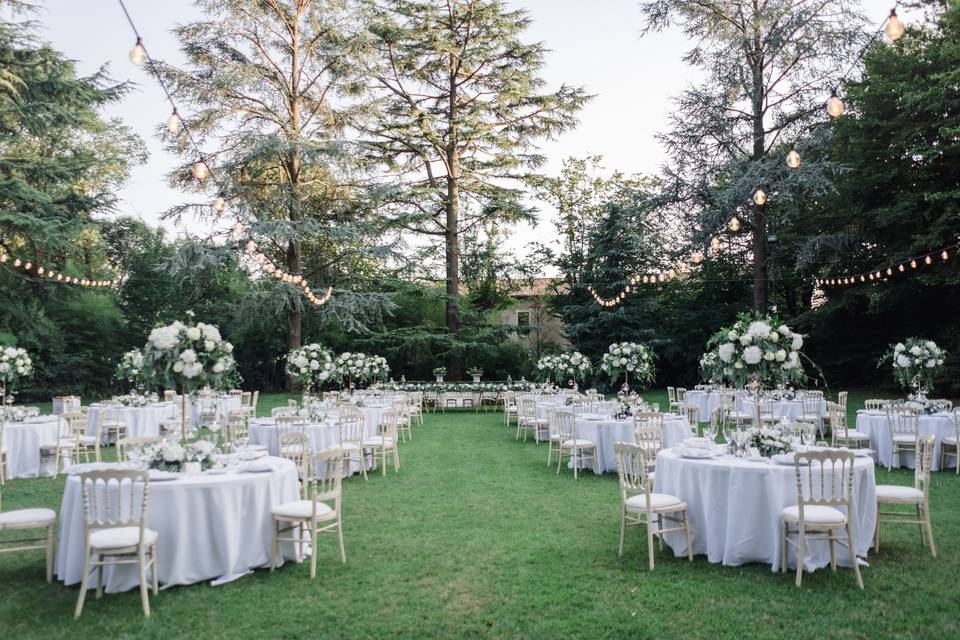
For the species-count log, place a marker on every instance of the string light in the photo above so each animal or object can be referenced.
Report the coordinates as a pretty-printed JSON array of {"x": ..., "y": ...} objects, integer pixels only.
[
  {"x": 760, "y": 197},
  {"x": 201, "y": 171},
  {"x": 793, "y": 159},
  {"x": 40, "y": 272},
  {"x": 653, "y": 278},
  {"x": 945, "y": 255},
  {"x": 734, "y": 224},
  {"x": 894, "y": 27},
  {"x": 901, "y": 267},
  {"x": 715, "y": 244}
]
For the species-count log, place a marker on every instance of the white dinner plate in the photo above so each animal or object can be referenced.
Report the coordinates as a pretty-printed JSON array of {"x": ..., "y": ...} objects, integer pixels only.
[
  {"x": 163, "y": 476},
  {"x": 697, "y": 454}
]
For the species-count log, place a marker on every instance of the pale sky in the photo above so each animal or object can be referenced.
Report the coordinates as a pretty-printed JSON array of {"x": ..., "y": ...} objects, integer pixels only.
[{"x": 595, "y": 44}]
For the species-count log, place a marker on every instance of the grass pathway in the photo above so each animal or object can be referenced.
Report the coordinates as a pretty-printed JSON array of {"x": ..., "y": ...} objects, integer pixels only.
[{"x": 476, "y": 537}]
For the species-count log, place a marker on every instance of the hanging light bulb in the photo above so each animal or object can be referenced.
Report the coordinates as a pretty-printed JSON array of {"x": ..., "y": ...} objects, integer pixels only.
[
  {"x": 200, "y": 170},
  {"x": 715, "y": 244},
  {"x": 862, "y": 279},
  {"x": 889, "y": 271},
  {"x": 894, "y": 27},
  {"x": 174, "y": 123},
  {"x": 793, "y": 159},
  {"x": 734, "y": 224},
  {"x": 928, "y": 261},
  {"x": 871, "y": 276},
  {"x": 760, "y": 196},
  {"x": 138, "y": 55},
  {"x": 40, "y": 271},
  {"x": 913, "y": 264},
  {"x": 945, "y": 255},
  {"x": 697, "y": 257},
  {"x": 834, "y": 105},
  {"x": 219, "y": 204},
  {"x": 27, "y": 266},
  {"x": 901, "y": 269},
  {"x": 16, "y": 262}
]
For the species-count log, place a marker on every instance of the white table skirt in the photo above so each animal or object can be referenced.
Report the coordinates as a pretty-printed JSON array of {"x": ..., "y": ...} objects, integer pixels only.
[
  {"x": 874, "y": 424},
  {"x": 23, "y": 441},
  {"x": 735, "y": 509},
  {"x": 211, "y": 527},
  {"x": 790, "y": 409},
  {"x": 607, "y": 432},
  {"x": 224, "y": 405},
  {"x": 140, "y": 421},
  {"x": 705, "y": 401},
  {"x": 323, "y": 436}
]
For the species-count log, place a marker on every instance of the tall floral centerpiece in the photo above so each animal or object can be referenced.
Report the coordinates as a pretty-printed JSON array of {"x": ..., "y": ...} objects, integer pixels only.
[
  {"x": 188, "y": 356},
  {"x": 15, "y": 365},
  {"x": 378, "y": 369},
  {"x": 311, "y": 365},
  {"x": 565, "y": 366},
  {"x": 916, "y": 362},
  {"x": 130, "y": 369},
  {"x": 355, "y": 367},
  {"x": 625, "y": 359},
  {"x": 757, "y": 348}
]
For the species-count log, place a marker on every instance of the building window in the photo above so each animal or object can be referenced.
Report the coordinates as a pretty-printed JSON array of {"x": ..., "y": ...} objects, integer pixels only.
[{"x": 523, "y": 318}]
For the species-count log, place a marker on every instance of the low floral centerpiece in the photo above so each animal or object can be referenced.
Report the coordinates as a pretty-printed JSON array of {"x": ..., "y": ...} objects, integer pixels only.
[
  {"x": 769, "y": 442},
  {"x": 755, "y": 348},
  {"x": 916, "y": 362},
  {"x": 625, "y": 359},
  {"x": 311, "y": 366},
  {"x": 439, "y": 372},
  {"x": 15, "y": 365},
  {"x": 476, "y": 373},
  {"x": 188, "y": 356},
  {"x": 176, "y": 456},
  {"x": 565, "y": 366}
]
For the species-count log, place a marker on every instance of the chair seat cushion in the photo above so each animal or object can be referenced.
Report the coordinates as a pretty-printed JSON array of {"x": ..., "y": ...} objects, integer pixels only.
[
  {"x": 907, "y": 438},
  {"x": 52, "y": 446},
  {"x": 950, "y": 440},
  {"x": 120, "y": 538},
  {"x": 898, "y": 493},
  {"x": 378, "y": 441},
  {"x": 302, "y": 509},
  {"x": 349, "y": 446},
  {"x": 87, "y": 440},
  {"x": 579, "y": 442},
  {"x": 815, "y": 514},
  {"x": 292, "y": 449},
  {"x": 809, "y": 417},
  {"x": 27, "y": 518},
  {"x": 852, "y": 434},
  {"x": 657, "y": 501}
]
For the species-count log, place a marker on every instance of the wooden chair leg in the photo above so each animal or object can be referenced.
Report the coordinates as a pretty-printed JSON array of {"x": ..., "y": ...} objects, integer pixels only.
[
  {"x": 144, "y": 593},
  {"x": 801, "y": 539},
  {"x": 50, "y": 539},
  {"x": 926, "y": 518},
  {"x": 274, "y": 544},
  {"x": 623, "y": 526},
  {"x": 84, "y": 582},
  {"x": 853, "y": 555},
  {"x": 343, "y": 553}
]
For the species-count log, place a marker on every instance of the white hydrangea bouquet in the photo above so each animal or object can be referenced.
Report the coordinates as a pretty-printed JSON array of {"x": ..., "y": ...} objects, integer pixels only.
[
  {"x": 15, "y": 365},
  {"x": 916, "y": 362},
  {"x": 357, "y": 367},
  {"x": 311, "y": 365},
  {"x": 755, "y": 346},
  {"x": 377, "y": 368},
  {"x": 174, "y": 456},
  {"x": 626, "y": 359},
  {"x": 769, "y": 442},
  {"x": 188, "y": 356},
  {"x": 130, "y": 369},
  {"x": 573, "y": 366}
]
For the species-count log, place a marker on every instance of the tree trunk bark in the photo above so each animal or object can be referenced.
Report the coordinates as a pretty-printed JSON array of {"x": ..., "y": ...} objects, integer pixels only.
[
  {"x": 759, "y": 223},
  {"x": 452, "y": 237},
  {"x": 294, "y": 247}
]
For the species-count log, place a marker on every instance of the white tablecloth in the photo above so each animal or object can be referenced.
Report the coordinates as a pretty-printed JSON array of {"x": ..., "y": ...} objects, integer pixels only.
[
  {"x": 23, "y": 441},
  {"x": 65, "y": 404},
  {"x": 322, "y": 435},
  {"x": 735, "y": 506},
  {"x": 140, "y": 421},
  {"x": 705, "y": 401},
  {"x": 874, "y": 424},
  {"x": 224, "y": 405},
  {"x": 608, "y": 431},
  {"x": 791, "y": 409},
  {"x": 211, "y": 527}
]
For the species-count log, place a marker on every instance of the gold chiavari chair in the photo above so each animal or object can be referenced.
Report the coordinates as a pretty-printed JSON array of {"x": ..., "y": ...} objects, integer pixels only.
[
  {"x": 639, "y": 506},
  {"x": 917, "y": 497}
]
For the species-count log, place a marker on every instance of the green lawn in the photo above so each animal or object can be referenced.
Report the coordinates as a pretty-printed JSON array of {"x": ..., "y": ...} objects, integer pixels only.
[{"x": 478, "y": 538}]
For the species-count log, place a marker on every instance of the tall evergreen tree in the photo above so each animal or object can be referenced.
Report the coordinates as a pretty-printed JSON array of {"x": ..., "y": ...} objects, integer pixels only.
[
  {"x": 275, "y": 87},
  {"x": 769, "y": 67},
  {"x": 461, "y": 106}
]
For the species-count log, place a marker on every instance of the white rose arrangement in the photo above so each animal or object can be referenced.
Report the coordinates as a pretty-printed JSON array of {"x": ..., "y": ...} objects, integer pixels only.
[
  {"x": 311, "y": 366},
  {"x": 130, "y": 369},
  {"x": 629, "y": 360},
  {"x": 916, "y": 362},
  {"x": 755, "y": 346},
  {"x": 573, "y": 366},
  {"x": 172, "y": 456},
  {"x": 357, "y": 367},
  {"x": 189, "y": 355},
  {"x": 15, "y": 365}
]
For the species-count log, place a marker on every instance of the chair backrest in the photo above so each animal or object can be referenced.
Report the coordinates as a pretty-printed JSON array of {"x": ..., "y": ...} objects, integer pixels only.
[
  {"x": 169, "y": 395},
  {"x": 842, "y": 399},
  {"x": 125, "y": 445},
  {"x": 566, "y": 423},
  {"x": 326, "y": 481},
  {"x": 528, "y": 407},
  {"x": 875, "y": 404},
  {"x": 351, "y": 429},
  {"x": 902, "y": 420},
  {"x": 246, "y": 399},
  {"x": 814, "y": 393},
  {"x": 288, "y": 424},
  {"x": 692, "y": 414},
  {"x": 924, "y": 463},
  {"x": 110, "y": 499},
  {"x": 77, "y": 423},
  {"x": 292, "y": 404},
  {"x": 389, "y": 423},
  {"x": 824, "y": 477},
  {"x": 650, "y": 439},
  {"x": 254, "y": 401},
  {"x": 276, "y": 412},
  {"x": 801, "y": 429},
  {"x": 648, "y": 419},
  {"x": 947, "y": 405},
  {"x": 671, "y": 394},
  {"x": 632, "y": 470},
  {"x": 681, "y": 395},
  {"x": 236, "y": 424},
  {"x": 812, "y": 403},
  {"x": 236, "y": 392}
]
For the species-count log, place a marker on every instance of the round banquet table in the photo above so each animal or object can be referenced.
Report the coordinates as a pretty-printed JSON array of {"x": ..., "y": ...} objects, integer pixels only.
[
  {"x": 322, "y": 435},
  {"x": 735, "y": 506},
  {"x": 790, "y": 409},
  {"x": 224, "y": 405},
  {"x": 140, "y": 421},
  {"x": 23, "y": 441},
  {"x": 874, "y": 424},
  {"x": 608, "y": 431},
  {"x": 705, "y": 401},
  {"x": 211, "y": 527}
]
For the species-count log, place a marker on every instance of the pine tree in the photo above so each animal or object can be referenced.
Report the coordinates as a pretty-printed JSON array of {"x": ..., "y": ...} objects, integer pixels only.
[{"x": 461, "y": 107}]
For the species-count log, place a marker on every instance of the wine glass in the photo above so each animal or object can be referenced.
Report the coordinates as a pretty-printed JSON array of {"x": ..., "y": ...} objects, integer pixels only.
[{"x": 729, "y": 434}]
